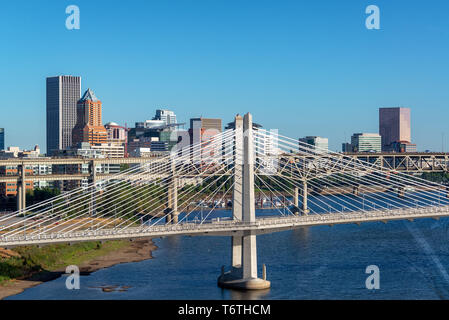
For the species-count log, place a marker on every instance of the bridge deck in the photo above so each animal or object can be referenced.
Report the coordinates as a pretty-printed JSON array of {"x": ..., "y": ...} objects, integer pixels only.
[{"x": 228, "y": 227}]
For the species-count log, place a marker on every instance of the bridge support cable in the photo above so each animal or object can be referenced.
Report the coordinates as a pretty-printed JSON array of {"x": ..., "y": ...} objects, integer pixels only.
[
  {"x": 155, "y": 208},
  {"x": 296, "y": 188},
  {"x": 278, "y": 181},
  {"x": 80, "y": 215},
  {"x": 371, "y": 179},
  {"x": 54, "y": 208},
  {"x": 125, "y": 222},
  {"x": 359, "y": 164},
  {"x": 351, "y": 198},
  {"x": 299, "y": 177},
  {"x": 403, "y": 183},
  {"x": 207, "y": 199},
  {"x": 86, "y": 195},
  {"x": 202, "y": 190},
  {"x": 371, "y": 192},
  {"x": 219, "y": 201},
  {"x": 82, "y": 191},
  {"x": 273, "y": 195},
  {"x": 277, "y": 196},
  {"x": 187, "y": 201},
  {"x": 343, "y": 193},
  {"x": 317, "y": 203},
  {"x": 78, "y": 192},
  {"x": 418, "y": 199},
  {"x": 45, "y": 214},
  {"x": 303, "y": 182},
  {"x": 287, "y": 190}
]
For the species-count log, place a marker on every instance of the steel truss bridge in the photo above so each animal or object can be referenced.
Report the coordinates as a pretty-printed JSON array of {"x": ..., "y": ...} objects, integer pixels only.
[
  {"x": 148, "y": 200},
  {"x": 406, "y": 162}
]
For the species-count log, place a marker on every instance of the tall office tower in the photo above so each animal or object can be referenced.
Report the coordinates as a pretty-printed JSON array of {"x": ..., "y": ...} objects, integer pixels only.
[
  {"x": 316, "y": 144},
  {"x": 203, "y": 130},
  {"x": 88, "y": 126},
  {"x": 394, "y": 126},
  {"x": 167, "y": 116},
  {"x": 2, "y": 139},
  {"x": 63, "y": 92}
]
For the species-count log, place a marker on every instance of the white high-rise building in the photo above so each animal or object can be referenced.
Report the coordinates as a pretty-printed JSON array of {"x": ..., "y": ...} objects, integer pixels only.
[
  {"x": 167, "y": 116},
  {"x": 366, "y": 142},
  {"x": 267, "y": 151}
]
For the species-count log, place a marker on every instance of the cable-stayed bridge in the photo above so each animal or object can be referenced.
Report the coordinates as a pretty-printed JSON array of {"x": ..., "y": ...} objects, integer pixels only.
[{"x": 306, "y": 186}]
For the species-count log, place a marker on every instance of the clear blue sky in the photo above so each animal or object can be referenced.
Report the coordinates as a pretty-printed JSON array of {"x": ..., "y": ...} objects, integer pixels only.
[{"x": 305, "y": 67}]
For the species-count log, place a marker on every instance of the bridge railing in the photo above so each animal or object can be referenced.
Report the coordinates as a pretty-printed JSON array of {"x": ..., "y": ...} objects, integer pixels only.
[{"x": 230, "y": 225}]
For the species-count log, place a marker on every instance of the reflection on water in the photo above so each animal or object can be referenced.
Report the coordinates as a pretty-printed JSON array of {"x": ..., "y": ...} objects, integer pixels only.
[
  {"x": 248, "y": 295},
  {"x": 301, "y": 235},
  {"x": 306, "y": 263}
]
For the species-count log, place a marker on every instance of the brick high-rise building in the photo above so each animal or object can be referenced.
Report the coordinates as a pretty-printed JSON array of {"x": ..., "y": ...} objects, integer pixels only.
[
  {"x": 394, "y": 126},
  {"x": 88, "y": 127},
  {"x": 63, "y": 92}
]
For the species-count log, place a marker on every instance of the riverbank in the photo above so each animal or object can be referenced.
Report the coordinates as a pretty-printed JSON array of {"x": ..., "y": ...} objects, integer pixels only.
[{"x": 26, "y": 267}]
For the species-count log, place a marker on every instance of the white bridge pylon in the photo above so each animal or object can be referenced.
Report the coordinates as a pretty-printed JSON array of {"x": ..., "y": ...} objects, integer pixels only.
[
  {"x": 291, "y": 183},
  {"x": 243, "y": 273}
]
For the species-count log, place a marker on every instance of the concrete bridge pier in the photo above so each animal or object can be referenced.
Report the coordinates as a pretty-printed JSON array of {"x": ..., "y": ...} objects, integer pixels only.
[
  {"x": 21, "y": 188},
  {"x": 305, "y": 193},
  {"x": 172, "y": 198},
  {"x": 169, "y": 206},
  {"x": 19, "y": 198},
  {"x": 296, "y": 201},
  {"x": 167, "y": 215},
  {"x": 243, "y": 273},
  {"x": 93, "y": 180},
  {"x": 173, "y": 201}
]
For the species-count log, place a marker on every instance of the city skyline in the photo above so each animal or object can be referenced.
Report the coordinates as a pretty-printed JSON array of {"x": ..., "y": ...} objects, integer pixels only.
[
  {"x": 242, "y": 151},
  {"x": 290, "y": 67},
  {"x": 171, "y": 115},
  {"x": 89, "y": 109}
]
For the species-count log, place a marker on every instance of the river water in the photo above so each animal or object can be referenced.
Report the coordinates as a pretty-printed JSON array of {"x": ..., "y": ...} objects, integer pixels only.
[{"x": 308, "y": 263}]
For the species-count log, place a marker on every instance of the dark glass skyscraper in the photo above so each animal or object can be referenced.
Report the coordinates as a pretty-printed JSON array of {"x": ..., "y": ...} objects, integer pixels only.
[
  {"x": 63, "y": 92},
  {"x": 2, "y": 139}
]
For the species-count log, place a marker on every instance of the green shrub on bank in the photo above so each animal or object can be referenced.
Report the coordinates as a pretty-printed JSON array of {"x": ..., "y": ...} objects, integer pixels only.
[{"x": 53, "y": 257}]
